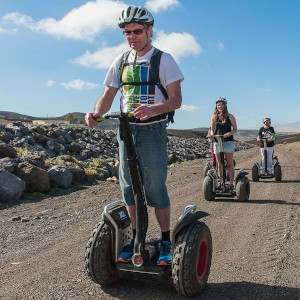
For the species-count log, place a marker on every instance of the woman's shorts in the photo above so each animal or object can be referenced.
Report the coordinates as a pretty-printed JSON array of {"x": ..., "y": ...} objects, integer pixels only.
[{"x": 228, "y": 147}]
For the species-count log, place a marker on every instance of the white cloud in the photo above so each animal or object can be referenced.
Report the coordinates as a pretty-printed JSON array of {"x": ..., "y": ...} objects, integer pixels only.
[
  {"x": 177, "y": 44},
  {"x": 189, "y": 108},
  {"x": 78, "y": 84},
  {"x": 51, "y": 83},
  {"x": 159, "y": 5},
  {"x": 101, "y": 59},
  {"x": 221, "y": 46},
  {"x": 82, "y": 23},
  {"x": 19, "y": 19},
  {"x": 5, "y": 31}
]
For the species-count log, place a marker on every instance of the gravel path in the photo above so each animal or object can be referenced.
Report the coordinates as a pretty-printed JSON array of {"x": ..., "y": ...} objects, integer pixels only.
[{"x": 256, "y": 245}]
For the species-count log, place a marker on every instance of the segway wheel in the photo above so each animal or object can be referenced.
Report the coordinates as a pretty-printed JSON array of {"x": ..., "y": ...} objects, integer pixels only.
[
  {"x": 208, "y": 189},
  {"x": 243, "y": 189},
  {"x": 255, "y": 176},
  {"x": 98, "y": 256},
  {"x": 277, "y": 173},
  {"x": 192, "y": 259}
]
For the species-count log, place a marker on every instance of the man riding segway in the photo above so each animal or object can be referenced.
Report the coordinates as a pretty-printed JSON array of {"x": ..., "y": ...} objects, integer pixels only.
[
  {"x": 269, "y": 166},
  {"x": 150, "y": 86}
]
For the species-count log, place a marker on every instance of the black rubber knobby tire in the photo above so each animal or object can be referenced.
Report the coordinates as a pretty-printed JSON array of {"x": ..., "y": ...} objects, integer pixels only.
[
  {"x": 98, "y": 256},
  {"x": 243, "y": 189},
  {"x": 192, "y": 259},
  {"x": 208, "y": 188},
  {"x": 255, "y": 176},
  {"x": 277, "y": 173}
]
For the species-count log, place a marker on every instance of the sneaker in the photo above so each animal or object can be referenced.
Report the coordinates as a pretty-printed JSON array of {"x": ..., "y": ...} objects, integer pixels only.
[
  {"x": 231, "y": 187},
  {"x": 126, "y": 253},
  {"x": 165, "y": 256}
]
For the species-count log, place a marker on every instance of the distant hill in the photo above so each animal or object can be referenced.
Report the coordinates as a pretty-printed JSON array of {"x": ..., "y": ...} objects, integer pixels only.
[
  {"x": 288, "y": 127},
  {"x": 241, "y": 135},
  {"x": 282, "y": 139},
  {"x": 109, "y": 124},
  {"x": 13, "y": 115}
]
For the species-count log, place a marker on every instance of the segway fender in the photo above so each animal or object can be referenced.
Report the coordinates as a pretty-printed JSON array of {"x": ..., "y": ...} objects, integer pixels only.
[
  {"x": 241, "y": 173},
  {"x": 212, "y": 173},
  {"x": 276, "y": 163},
  {"x": 257, "y": 164},
  {"x": 188, "y": 217}
]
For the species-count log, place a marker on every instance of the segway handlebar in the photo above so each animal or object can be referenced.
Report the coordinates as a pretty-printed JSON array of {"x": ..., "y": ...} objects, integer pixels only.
[
  {"x": 114, "y": 115},
  {"x": 140, "y": 255},
  {"x": 218, "y": 135}
]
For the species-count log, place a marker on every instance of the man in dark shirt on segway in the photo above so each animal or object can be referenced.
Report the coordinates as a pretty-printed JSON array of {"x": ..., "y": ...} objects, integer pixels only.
[{"x": 266, "y": 132}]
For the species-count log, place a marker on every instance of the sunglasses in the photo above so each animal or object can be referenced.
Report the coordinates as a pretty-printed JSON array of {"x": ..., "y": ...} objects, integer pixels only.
[{"x": 136, "y": 32}]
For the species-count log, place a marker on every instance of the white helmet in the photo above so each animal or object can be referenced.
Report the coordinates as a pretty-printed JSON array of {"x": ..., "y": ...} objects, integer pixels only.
[
  {"x": 135, "y": 14},
  {"x": 221, "y": 99}
]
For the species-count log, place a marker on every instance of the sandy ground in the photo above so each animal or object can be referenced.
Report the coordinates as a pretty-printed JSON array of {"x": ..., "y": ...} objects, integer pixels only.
[{"x": 256, "y": 244}]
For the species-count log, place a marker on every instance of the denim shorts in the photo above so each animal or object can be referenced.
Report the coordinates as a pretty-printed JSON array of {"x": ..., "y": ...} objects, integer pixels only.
[
  {"x": 152, "y": 152},
  {"x": 228, "y": 147}
]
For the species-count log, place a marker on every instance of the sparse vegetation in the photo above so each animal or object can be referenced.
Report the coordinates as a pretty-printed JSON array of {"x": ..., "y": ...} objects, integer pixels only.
[
  {"x": 90, "y": 172},
  {"x": 71, "y": 118},
  {"x": 97, "y": 163},
  {"x": 23, "y": 151}
]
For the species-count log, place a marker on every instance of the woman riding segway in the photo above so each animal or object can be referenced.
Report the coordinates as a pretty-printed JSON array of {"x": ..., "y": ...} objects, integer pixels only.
[{"x": 224, "y": 123}]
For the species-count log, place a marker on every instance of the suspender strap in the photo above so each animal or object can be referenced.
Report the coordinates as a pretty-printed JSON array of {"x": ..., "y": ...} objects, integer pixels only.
[{"x": 153, "y": 77}]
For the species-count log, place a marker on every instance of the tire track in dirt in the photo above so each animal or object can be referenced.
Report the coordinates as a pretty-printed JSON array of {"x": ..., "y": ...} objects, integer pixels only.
[{"x": 256, "y": 244}]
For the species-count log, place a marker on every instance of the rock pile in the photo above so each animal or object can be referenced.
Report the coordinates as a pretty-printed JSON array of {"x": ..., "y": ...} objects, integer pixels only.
[{"x": 35, "y": 157}]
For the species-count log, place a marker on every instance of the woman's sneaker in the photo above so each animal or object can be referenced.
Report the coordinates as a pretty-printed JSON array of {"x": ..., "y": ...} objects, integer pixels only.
[
  {"x": 165, "y": 256},
  {"x": 126, "y": 254}
]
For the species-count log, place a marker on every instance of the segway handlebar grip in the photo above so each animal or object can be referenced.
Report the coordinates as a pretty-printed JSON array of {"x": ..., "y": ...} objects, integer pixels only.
[{"x": 114, "y": 115}]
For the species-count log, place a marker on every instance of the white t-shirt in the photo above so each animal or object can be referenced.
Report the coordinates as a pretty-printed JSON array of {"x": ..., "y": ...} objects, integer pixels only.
[{"x": 141, "y": 94}]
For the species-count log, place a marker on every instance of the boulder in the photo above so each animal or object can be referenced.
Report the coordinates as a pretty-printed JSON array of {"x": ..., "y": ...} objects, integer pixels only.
[
  {"x": 78, "y": 174},
  {"x": 75, "y": 147},
  {"x": 6, "y": 137},
  {"x": 36, "y": 179},
  {"x": 7, "y": 151},
  {"x": 40, "y": 138},
  {"x": 37, "y": 160},
  {"x": 7, "y": 164},
  {"x": 60, "y": 176},
  {"x": 11, "y": 187}
]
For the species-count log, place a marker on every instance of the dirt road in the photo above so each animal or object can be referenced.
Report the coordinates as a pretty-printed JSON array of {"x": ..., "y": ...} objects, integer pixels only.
[{"x": 256, "y": 245}]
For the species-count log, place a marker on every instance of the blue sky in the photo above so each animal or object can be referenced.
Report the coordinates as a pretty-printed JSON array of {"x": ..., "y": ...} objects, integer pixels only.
[{"x": 54, "y": 55}]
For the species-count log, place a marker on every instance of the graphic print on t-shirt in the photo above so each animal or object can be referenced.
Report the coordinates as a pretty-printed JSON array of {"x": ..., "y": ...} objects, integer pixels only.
[
  {"x": 137, "y": 94},
  {"x": 267, "y": 133}
]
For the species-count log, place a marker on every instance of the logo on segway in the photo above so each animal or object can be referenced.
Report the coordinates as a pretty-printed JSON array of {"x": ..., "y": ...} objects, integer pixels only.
[{"x": 122, "y": 215}]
